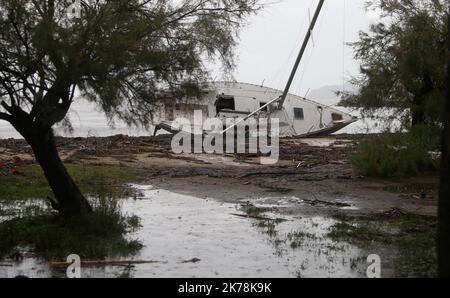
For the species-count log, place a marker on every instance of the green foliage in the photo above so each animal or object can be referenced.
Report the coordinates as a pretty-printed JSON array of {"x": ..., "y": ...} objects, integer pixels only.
[
  {"x": 124, "y": 55},
  {"x": 397, "y": 155},
  {"x": 127, "y": 56},
  {"x": 92, "y": 180},
  {"x": 413, "y": 236},
  {"x": 97, "y": 235},
  {"x": 403, "y": 62}
]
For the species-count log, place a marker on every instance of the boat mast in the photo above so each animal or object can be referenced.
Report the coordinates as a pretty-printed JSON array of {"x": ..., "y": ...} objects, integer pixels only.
[
  {"x": 300, "y": 55},
  {"x": 282, "y": 99}
]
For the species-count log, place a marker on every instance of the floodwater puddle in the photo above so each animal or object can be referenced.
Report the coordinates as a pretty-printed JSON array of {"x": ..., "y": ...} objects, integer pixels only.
[
  {"x": 14, "y": 209},
  {"x": 193, "y": 237}
]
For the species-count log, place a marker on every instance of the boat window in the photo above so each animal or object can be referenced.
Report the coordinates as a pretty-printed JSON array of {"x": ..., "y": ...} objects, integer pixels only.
[
  {"x": 298, "y": 114},
  {"x": 261, "y": 104},
  {"x": 225, "y": 102},
  {"x": 337, "y": 117}
]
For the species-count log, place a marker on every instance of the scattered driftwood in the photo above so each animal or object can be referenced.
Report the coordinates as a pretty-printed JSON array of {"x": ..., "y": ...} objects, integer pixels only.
[
  {"x": 326, "y": 203},
  {"x": 299, "y": 175},
  {"x": 105, "y": 263},
  {"x": 258, "y": 217},
  {"x": 278, "y": 173},
  {"x": 194, "y": 261},
  {"x": 277, "y": 189},
  {"x": 316, "y": 201}
]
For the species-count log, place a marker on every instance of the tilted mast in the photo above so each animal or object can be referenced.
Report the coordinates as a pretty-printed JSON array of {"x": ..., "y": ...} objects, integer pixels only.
[
  {"x": 281, "y": 99},
  {"x": 300, "y": 55}
]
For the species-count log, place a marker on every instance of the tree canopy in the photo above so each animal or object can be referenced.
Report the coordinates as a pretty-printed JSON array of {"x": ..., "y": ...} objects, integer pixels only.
[
  {"x": 403, "y": 62},
  {"x": 119, "y": 54},
  {"x": 124, "y": 55}
]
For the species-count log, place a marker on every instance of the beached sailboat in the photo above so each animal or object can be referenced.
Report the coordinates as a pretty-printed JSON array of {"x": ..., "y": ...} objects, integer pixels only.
[{"x": 298, "y": 116}]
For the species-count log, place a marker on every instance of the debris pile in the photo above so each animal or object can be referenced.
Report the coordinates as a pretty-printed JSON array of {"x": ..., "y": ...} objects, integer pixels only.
[{"x": 299, "y": 160}]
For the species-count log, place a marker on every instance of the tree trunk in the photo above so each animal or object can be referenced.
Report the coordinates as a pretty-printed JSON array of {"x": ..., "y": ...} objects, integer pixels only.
[
  {"x": 418, "y": 109},
  {"x": 418, "y": 116},
  {"x": 69, "y": 199},
  {"x": 443, "y": 243}
]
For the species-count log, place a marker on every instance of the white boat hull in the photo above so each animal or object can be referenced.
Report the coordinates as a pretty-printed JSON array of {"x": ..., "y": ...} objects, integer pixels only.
[{"x": 299, "y": 117}]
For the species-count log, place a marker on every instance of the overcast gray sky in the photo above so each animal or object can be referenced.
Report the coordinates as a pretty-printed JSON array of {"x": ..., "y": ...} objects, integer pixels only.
[{"x": 270, "y": 43}]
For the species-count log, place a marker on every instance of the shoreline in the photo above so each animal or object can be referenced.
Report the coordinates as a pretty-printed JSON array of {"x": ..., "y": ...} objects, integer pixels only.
[
  {"x": 314, "y": 186},
  {"x": 316, "y": 172}
]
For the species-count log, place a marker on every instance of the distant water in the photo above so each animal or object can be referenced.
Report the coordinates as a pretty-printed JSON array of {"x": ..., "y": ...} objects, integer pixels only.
[{"x": 88, "y": 121}]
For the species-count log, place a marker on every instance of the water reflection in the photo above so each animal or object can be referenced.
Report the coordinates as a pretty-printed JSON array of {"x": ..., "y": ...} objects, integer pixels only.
[{"x": 178, "y": 229}]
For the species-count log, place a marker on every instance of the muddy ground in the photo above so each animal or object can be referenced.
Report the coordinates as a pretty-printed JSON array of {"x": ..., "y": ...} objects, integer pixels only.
[
  {"x": 313, "y": 176},
  {"x": 310, "y": 215}
]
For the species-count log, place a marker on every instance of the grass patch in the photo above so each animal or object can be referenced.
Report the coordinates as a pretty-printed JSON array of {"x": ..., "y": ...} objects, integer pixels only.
[
  {"x": 268, "y": 227},
  {"x": 412, "y": 188},
  {"x": 297, "y": 238},
  {"x": 97, "y": 235},
  {"x": 255, "y": 211},
  {"x": 411, "y": 235},
  {"x": 416, "y": 190},
  {"x": 106, "y": 181},
  {"x": 397, "y": 155}
]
